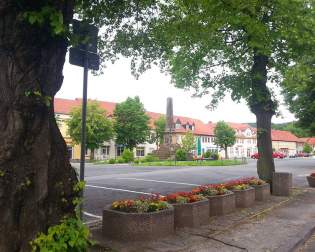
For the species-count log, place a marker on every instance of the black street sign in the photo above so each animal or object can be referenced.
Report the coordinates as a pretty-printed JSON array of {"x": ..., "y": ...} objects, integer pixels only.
[
  {"x": 87, "y": 36},
  {"x": 76, "y": 57}
]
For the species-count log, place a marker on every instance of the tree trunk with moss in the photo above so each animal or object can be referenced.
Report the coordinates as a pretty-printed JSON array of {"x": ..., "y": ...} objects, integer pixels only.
[
  {"x": 36, "y": 178},
  {"x": 263, "y": 107}
]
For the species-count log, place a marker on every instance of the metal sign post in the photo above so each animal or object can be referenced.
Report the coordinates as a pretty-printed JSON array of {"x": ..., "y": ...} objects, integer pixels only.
[
  {"x": 83, "y": 128},
  {"x": 84, "y": 54}
]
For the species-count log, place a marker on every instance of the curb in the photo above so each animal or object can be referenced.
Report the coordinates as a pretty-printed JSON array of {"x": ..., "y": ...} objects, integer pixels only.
[{"x": 306, "y": 236}]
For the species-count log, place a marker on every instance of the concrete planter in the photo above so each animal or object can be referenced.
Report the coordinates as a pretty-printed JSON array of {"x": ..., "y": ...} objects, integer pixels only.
[
  {"x": 191, "y": 214},
  {"x": 262, "y": 192},
  {"x": 281, "y": 183},
  {"x": 221, "y": 204},
  {"x": 311, "y": 181},
  {"x": 244, "y": 198},
  {"x": 137, "y": 226}
]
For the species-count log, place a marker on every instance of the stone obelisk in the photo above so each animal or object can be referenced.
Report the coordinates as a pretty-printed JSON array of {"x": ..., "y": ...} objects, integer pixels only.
[{"x": 169, "y": 129}]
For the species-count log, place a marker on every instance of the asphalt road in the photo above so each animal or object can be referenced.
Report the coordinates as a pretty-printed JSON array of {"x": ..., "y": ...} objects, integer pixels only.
[{"x": 106, "y": 183}]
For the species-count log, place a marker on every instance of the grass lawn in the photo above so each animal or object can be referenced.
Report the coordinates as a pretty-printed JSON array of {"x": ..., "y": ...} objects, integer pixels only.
[{"x": 192, "y": 163}]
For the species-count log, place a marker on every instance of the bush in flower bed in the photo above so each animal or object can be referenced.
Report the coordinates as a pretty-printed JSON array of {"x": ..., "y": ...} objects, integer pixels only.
[
  {"x": 139, "y": 219},
  {"x": 311, "y": 179},
  {"x": 183, "y": 197},
  {"x": 140, "y": 205},
  {"x": 221, "y": 200},
  {"x": 211, "y": 190},
  {"x": 262, "y": 188},
  {"x": 190, "y": 210}
]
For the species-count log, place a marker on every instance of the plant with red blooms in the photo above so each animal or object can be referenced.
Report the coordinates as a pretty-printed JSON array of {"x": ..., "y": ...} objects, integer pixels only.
[
  {"x": 211, "y": 190},
  {"x": 183, "y": 197},
  {"x": 231, "y": 184},
  {"x": 240, "y": 187},
  {"x": 141, "y": 205}
]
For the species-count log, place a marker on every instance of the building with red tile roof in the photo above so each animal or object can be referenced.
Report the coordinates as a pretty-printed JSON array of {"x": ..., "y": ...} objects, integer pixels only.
[
  {"x": 310, "y": 141},
  {"x": 245, "y": 145}
]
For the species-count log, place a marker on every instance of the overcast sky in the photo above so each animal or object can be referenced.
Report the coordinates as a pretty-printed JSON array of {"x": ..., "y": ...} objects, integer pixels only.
[{"x": 153, "y": 87}]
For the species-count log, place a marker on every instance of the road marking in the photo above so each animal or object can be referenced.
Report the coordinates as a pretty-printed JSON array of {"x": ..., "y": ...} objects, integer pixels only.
[
  {"x": 121, "y": 190},
  {"x": 303, "y": 175},
  {"x": 92, "y": 215},
  {"x": 160, "y": 181}
]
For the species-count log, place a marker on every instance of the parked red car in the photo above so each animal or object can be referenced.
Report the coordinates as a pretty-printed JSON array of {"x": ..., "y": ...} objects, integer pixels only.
[{"x": 274, "y": 155}]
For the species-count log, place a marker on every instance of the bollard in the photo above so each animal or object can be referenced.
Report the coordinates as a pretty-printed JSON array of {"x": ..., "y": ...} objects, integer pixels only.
[{"x": 281, "y": 183}]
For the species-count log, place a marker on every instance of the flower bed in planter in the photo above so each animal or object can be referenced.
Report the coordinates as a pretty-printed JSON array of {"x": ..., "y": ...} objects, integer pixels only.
[
  {"x": 311, "y": 180},
  {"x": 138, "y": 220},
  {"x": 244, "y": 194},
  {"x": 262, "y": 188},
  {"x": 190, "y": 210},
  {"x": 221, "y": 200}
]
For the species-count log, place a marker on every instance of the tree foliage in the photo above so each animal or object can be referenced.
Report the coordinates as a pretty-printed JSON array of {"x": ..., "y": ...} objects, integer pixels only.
[
  {"x": 307, "y": 148},
  {"x": 218, "y": 47},
  {"x": 131, "y": 124},
  {"x": 224, "y": 136},
  {"x": 98, "y": 127},
  {"x": 299, "y": 91},
  {"x": 188, "y": 142}
]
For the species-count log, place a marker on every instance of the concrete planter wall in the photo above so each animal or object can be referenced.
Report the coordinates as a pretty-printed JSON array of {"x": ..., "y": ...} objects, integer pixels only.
[
  {"x": 262, "y": 192},
  {"x": 281, "y": 183},
  {"x": 138, "y": 226},
  {"x": 244, "y": 198},
  {"x": 311, "y": 181},
  {"x": 191, "y": 214},
  {"x": 221, "y": 204}
]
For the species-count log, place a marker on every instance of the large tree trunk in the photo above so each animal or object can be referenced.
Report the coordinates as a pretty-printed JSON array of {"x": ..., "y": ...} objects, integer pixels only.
[
  {"x": 36, "y": 176},
  {"x": 226, "y": 152},
  {"x": 92, "y": 155},
  {"x": 263, "y": 107},
  {"x": 265, "y": 163}
]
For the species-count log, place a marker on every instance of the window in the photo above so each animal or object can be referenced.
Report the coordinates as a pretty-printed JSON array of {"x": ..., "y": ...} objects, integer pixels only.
[
  {"x": 105, "y": 150},
  {"x": 120, "y": 150},
  {"x": 177, "y": 126},
  {"x": 140, "y": 151},
  {"x": 69, "y": 152}
]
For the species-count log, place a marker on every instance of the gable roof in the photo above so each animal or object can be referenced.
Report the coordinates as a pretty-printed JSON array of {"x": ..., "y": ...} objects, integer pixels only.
[
  {"x": 282, "y": 135},
  {"x": 309, "y": 140},
  {"x": 64, "y": 106}
]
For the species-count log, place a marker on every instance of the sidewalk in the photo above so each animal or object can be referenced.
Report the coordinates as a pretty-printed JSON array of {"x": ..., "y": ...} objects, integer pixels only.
[{"x": 281, "y": 224}]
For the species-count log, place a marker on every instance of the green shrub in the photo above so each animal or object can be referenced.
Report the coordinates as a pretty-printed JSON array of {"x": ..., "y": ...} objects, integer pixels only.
[
  {"x": 70, "y": 235},
  {"x": 207, "y": 154},
  {"x": 150, "y": 158},
  {"x": 215, "y": 156},
  {"x": 181, "y": 155},
  {"x": 120, "y": 160},
  {"x": 127, "y": 155},
  {"x": 112, "y": 161},
  {"x": 136, "y": 161}
]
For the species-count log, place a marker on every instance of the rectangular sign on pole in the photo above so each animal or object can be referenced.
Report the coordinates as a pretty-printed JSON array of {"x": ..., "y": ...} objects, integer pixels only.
[
  {"x": 76, "y": 57},
  {"x": 86, "y": 35}
]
